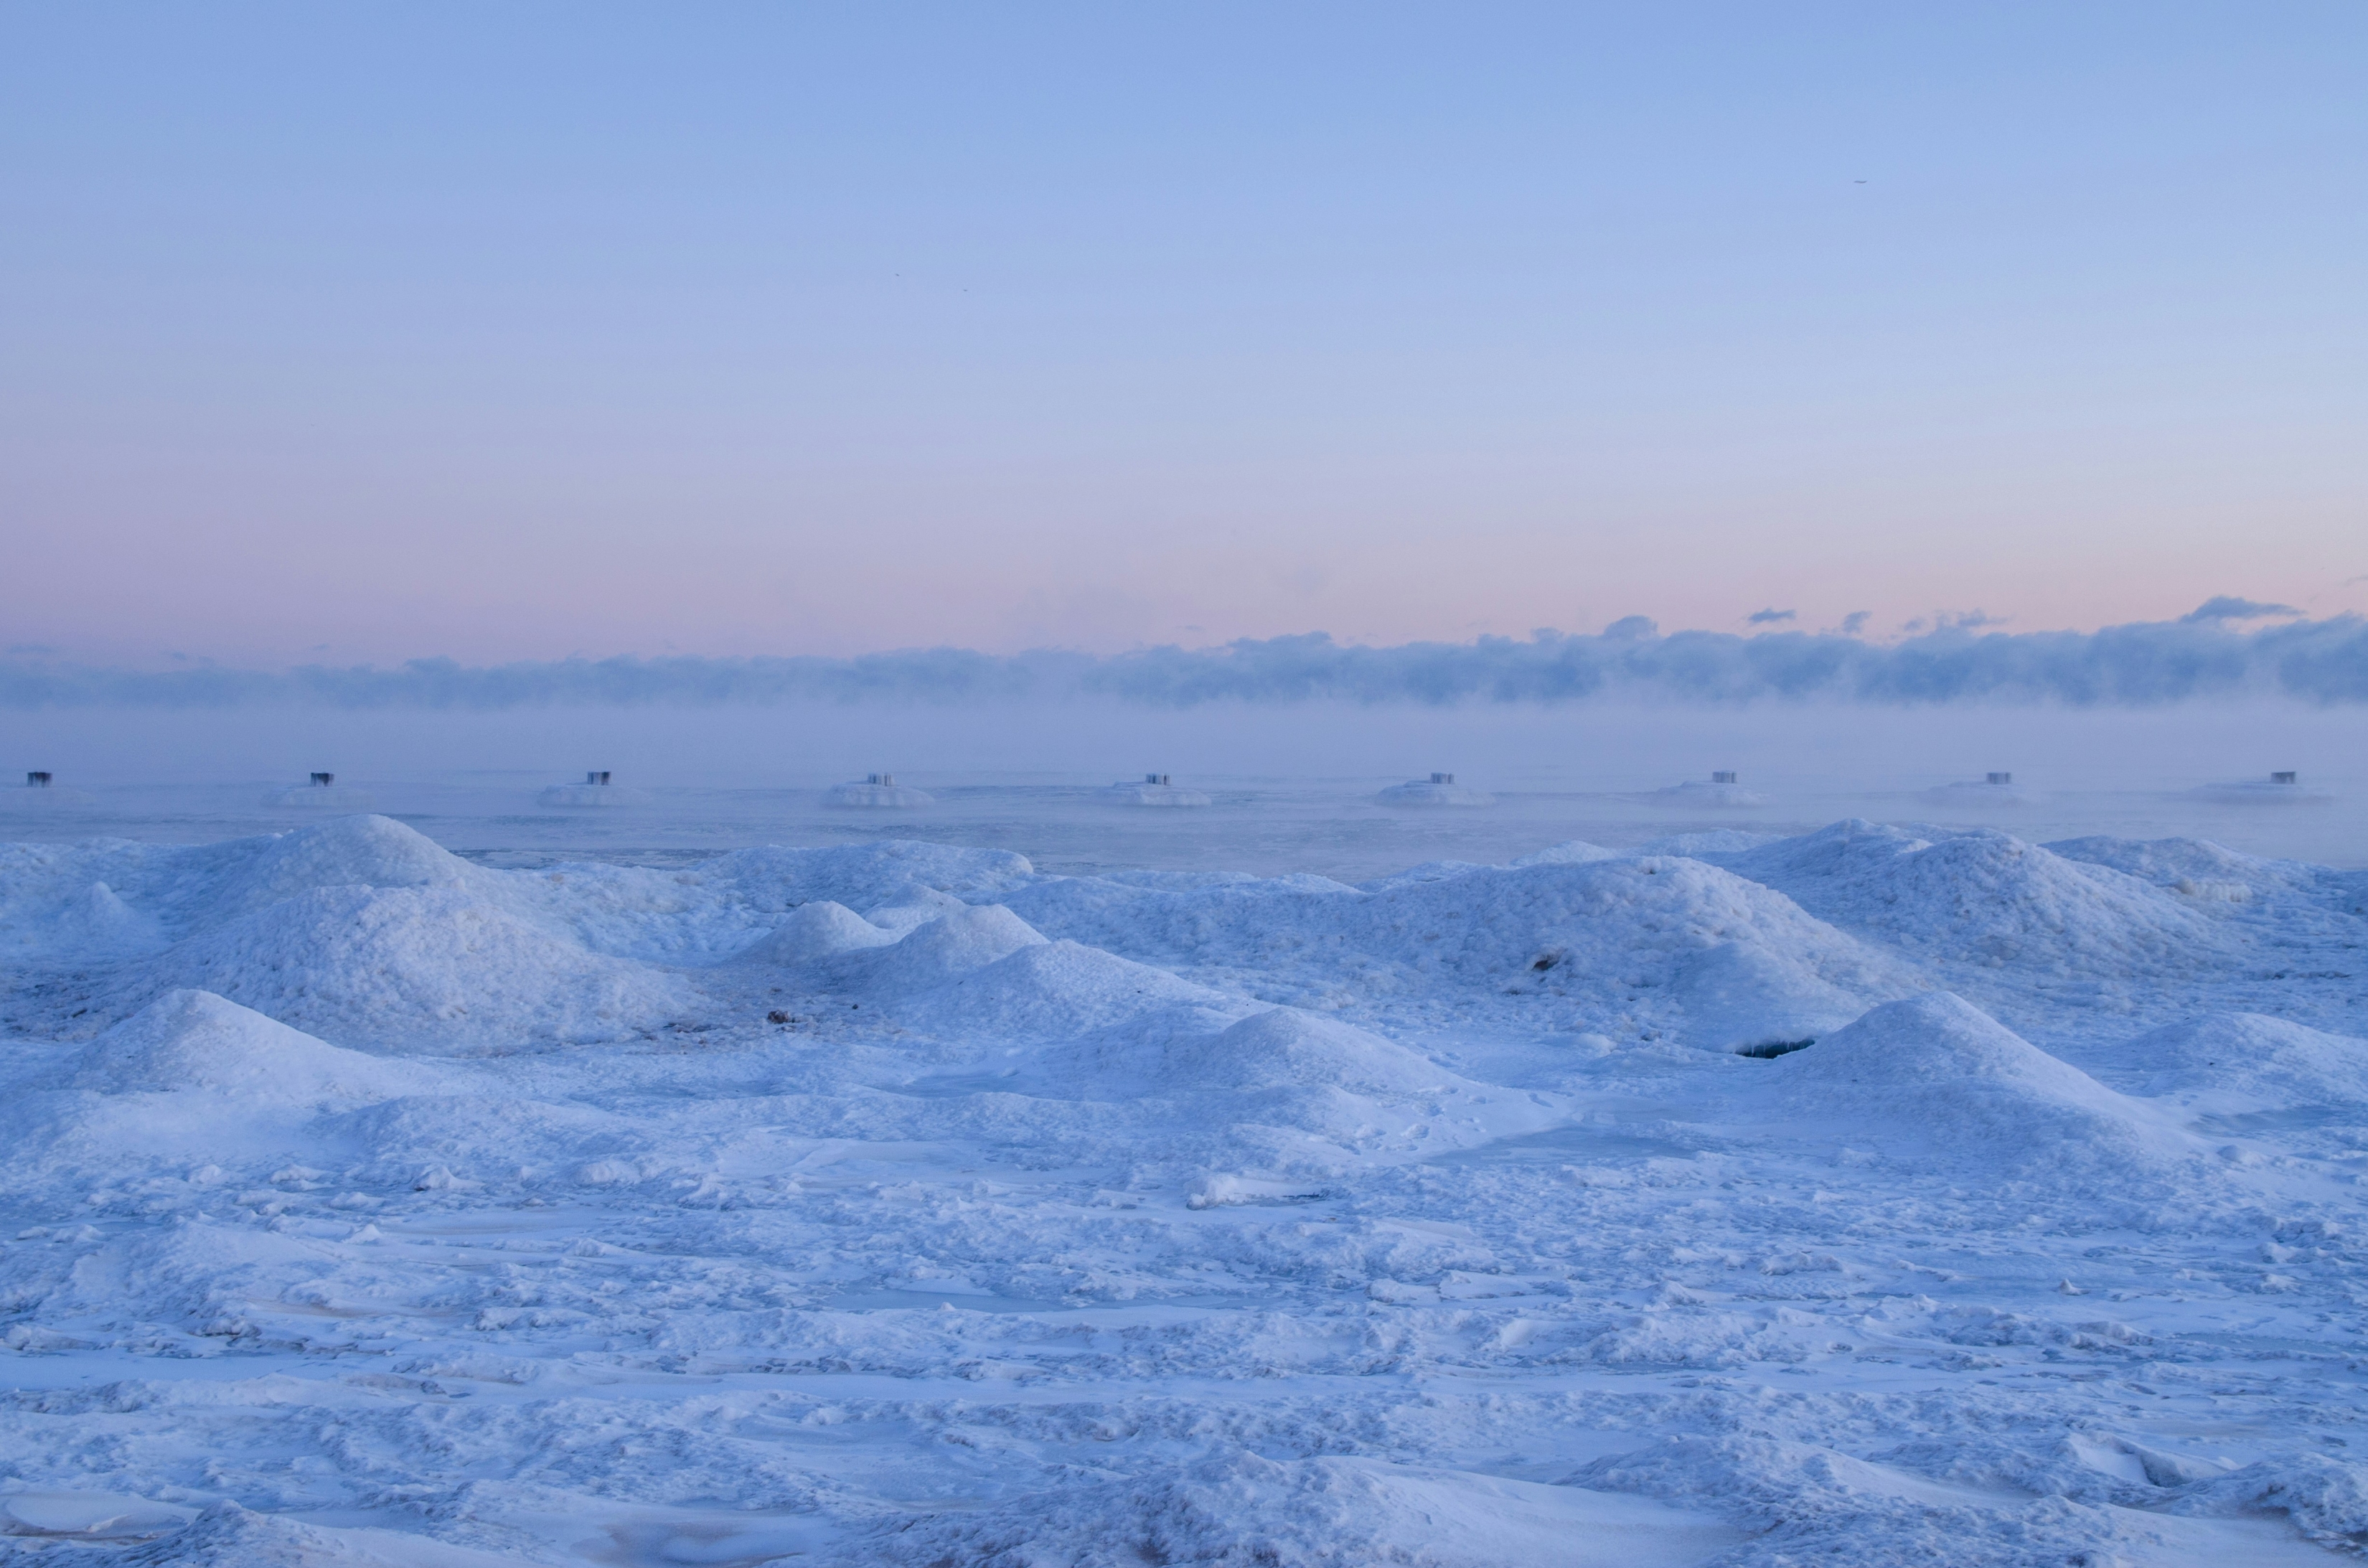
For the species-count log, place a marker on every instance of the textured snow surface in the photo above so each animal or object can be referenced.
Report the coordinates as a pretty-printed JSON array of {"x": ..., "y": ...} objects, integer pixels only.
[{"x": 1885, "y": 1195}]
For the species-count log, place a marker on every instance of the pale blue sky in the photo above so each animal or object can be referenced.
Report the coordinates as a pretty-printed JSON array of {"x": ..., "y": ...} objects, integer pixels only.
[{"x": 367, "y": 332}]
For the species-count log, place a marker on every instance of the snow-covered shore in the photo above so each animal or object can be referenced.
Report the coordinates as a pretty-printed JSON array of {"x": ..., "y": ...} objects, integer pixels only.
[{"x": 1878, "y": 1195}]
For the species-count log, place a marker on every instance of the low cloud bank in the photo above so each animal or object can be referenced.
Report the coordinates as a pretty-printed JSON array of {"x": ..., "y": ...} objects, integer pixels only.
[{"x": 2145, "y": 664}]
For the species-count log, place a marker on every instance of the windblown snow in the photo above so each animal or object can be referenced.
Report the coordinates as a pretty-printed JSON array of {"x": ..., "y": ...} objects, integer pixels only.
[{"x": 1884, "y": 1195}]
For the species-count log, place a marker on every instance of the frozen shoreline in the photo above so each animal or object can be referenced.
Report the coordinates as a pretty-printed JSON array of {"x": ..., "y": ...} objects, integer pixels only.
[{"x": 892, "y": 1201}]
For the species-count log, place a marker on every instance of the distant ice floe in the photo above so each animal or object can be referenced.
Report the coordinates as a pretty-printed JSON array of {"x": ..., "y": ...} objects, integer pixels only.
[
  {"x": 1156, "y": 790},
  {"x": 42, "y": 792},
  {"x": 1438, "y": 789},
  {"x": 2277, "y": 790},
  {"x": 1996, "y": 790},
  {"x": 596, "y": 790},
  {"x": 1720, "y": 790},
  {"x": 322, "y": 793},
  {"x": 879, "y": 790}
]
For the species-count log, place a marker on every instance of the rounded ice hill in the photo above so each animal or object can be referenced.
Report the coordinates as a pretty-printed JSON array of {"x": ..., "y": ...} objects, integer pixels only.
[
  {"x": 878, "y": 791},
  {"x": 1156, "y": 790},
  {"x": 594, "y": 792},
  {"x": 322, "y": 793},
  {"x": 1723, "y": 790},
  {"x": 1438, "y": 789}
]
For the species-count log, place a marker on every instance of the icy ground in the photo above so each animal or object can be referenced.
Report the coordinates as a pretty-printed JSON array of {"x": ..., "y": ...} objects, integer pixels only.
[{"x": 1878, "y": 1195}]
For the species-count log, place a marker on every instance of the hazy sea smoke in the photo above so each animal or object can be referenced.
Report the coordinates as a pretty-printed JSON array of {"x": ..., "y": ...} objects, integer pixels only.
[{"x": 2138, "y": 664}]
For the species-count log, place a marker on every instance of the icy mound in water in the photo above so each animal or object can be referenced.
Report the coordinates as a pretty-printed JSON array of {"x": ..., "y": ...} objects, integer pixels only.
[
  {"x": 816, "y": 931},
  {"x": 1975, "y": 795},
  {"x": 1438, "y": 789},
  {"x": 195, "y": 1039},
  {"x": 1941, "y": 1076},
  {"x": 880, "y": 793},
  {"x": 419, "y": 967},
  {"x": 356, "y": 851},
  {"x": 1985, "y": 897},
  {"x": 1153, "y": 791},
  {"x": 2244, "y": 1061},
  {"x": 1716, "y": 797}
]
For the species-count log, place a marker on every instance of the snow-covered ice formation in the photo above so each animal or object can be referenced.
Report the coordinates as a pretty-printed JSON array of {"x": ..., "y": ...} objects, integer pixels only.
[
  {"x": 41, "y": 792},
  {"x": 1438, "y": 789},
  {"x": 598, "y": 789},
  {"x": 2277, "y": 790},
  {"x": 1887, "y": 1194},
  {"x": 877, "y": 789},
  {"x": 1156, "y": 790},
  {"x": 1721, "y": 789},
  {"x": 322, "y": 792},
  {"x": 1992, "y": 790}
]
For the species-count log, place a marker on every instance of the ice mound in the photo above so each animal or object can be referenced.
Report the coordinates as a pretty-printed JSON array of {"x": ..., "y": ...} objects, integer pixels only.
[
  {"x": 1611, "y": 937},
  {"x": 1983, "y": 897},
  {"x": 2188, "y": 865},
  {"x": 952, "y": 945},
  {"x": 1057, "y": 990},
  {"x": 98, "y": 920},
  {"x": 356, "y": 851},
  {"x": 1284, "y": 1047},
  {"x": 815, "y": 931},
  {"x": 1937, "y": 1072},
  {"x": 1742, "y": 996},
  {"x": 911, "y": 906},
  {"x": 419, "y": 967},
  {"x": 195, "y": 1039},
  {"x": 1154, "y": 791},
  {"x": 2244, "y": 1061},
  {"x": 879, "y": 792},
  {"x": 1438, "y": 789}
]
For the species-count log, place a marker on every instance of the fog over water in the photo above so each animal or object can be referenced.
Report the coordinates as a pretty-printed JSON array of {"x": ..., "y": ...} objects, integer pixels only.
[{"x": 1292, "y": 783}]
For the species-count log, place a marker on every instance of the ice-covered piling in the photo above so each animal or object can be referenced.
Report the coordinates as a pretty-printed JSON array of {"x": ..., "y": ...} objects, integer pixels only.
[
  {"x": 322, "y": 792},
  {"x": 37, "y": 781},
  {"x": 1724, "y": 789},
  {"x": 877, "y": 791},
  {"x": 2284, "y": 788},
  {"x": 1156, "y": 790},
  {"x": 595, "y": 790},
  {"x": 1438, "y": 789}
]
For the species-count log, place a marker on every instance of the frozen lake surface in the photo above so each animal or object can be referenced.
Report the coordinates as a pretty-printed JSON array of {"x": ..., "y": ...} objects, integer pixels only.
[{"x": 1035, "y": 1180}]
